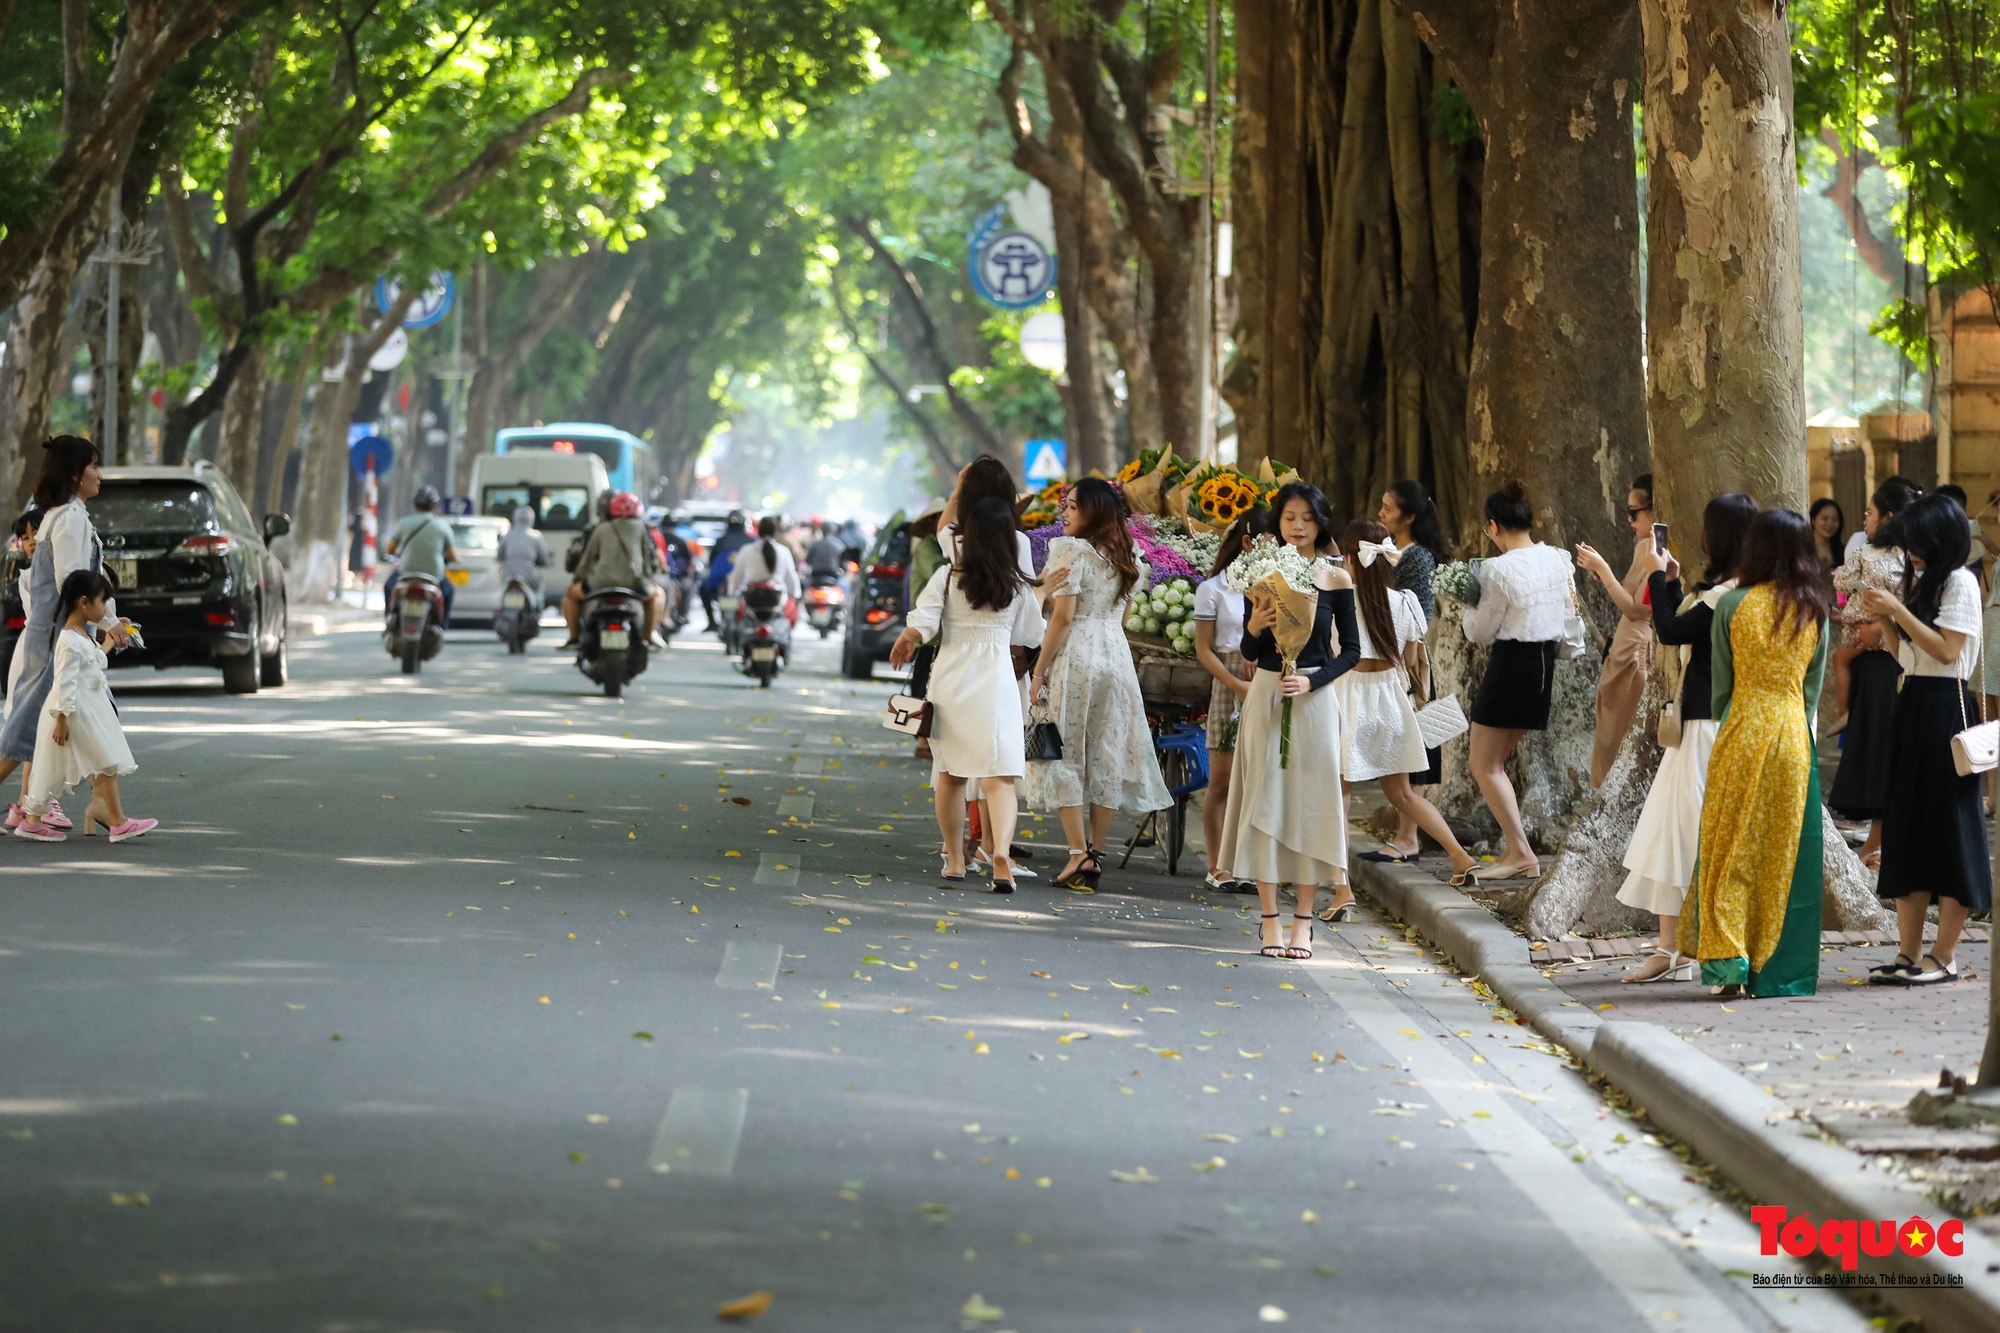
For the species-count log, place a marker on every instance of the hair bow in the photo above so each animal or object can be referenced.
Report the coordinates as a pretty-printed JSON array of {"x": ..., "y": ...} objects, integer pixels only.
[{"x": 1366, "y": 552}]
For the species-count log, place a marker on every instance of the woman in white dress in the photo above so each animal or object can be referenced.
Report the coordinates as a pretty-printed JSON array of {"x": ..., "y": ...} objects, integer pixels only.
[
  {"x": 1086, "y": 680},
  {"x": 1378, "y": 722},
  {"x": 986, "y": 478},
  {"x": 1283, "y": 825},
  {"x": 1667, "y": 838},
  {"x": 977, "y": 609},
  {"x": 78, "y": 738}
]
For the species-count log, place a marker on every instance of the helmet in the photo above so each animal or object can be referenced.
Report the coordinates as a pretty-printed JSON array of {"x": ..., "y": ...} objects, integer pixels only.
[
  {"x": 426, "y": 497},
  {"x": 624, "y": 505},
  {"x": 737, "y": 518}
]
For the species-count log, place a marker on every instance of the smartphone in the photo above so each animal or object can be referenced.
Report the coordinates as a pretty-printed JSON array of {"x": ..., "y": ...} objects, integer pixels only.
[{"x": 1660, "y": 538}]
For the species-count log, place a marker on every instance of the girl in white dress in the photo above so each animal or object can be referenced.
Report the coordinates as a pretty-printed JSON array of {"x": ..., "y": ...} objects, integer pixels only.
[
  {"x": 79, "y": 738},
  {"x": 1088, "y": 683},
  {"x": 26, "y": 531},
  {"x": 1284, "y": 825},
  {"x": 1378, "y": 722},
  {"x": 977, "y": 608}
]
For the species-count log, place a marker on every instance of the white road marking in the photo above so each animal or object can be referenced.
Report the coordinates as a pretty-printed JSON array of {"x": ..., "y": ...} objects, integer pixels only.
[
  {"x": 1637, "y": 1263},
  {"x": 700, "y": 1133},
  {"x": 780, "y": 868},
  {"x": 809, "y": 765},
  {"x": 178, "y": 743},
  {"x": 748, "y": 965},
  {"x": 799, "y": 806}
]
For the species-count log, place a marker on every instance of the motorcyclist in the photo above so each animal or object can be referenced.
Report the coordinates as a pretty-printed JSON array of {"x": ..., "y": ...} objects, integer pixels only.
[
  {"x": 720, "y": 557},
  {"x": 823, "y": 557},
  {"x": 618, "y": 554},
  {"x": 766, "y": 560},
  {"x": 523, "y": 553},
  {"x": 421, "y": 544}
]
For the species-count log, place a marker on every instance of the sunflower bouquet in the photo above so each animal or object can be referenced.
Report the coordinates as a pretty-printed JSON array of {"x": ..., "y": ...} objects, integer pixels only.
[
  {"x": 1043, "y": 507},
  {"x": 1215, "y": 495}
]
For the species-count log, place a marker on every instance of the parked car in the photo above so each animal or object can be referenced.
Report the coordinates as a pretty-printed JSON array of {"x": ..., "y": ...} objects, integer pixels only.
[
  {"x": 193, "y": 570},
  {"x": 875, "y": 616},
  {"x": 476, "y": 577}
]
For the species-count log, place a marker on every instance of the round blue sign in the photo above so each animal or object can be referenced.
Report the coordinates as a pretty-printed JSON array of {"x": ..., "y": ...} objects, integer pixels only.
[
  {"x": 1009, "y": 269},
  {"x": 371, "y": 451},
  {"x": 428, "y": 308}
]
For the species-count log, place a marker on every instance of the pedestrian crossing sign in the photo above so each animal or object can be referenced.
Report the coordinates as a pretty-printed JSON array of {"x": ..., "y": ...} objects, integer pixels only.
[{"x": 1047, "y": 460}]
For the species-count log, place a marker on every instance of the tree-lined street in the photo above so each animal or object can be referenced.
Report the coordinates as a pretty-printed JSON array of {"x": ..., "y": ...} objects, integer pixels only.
[{"x": 360, "y": 1045}]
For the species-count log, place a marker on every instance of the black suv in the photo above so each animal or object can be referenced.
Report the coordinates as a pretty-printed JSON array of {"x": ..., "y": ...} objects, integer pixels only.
[
  {"x": 881, "y": 595},
  {"x": 193, "y": 571}
]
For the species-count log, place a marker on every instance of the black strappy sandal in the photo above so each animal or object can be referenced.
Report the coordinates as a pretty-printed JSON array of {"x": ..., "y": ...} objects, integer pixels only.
[
  {"x": 1091, "y": 870},
  {"x": 1300, "y": 951},
  {"x": 1065, "y": 879},
  {"x": 1273, "y": 950}
]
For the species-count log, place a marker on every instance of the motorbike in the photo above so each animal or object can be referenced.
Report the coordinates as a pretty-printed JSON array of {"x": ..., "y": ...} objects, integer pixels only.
[
  {"x": 725, "y": 622},
  {"x": 764, "y": 632},
  {"x": 518, "y": 618},
  {"x": 415, "y": 629},
  {"x": 611, "y": 643},
  {"x": 824, "y": 604}
]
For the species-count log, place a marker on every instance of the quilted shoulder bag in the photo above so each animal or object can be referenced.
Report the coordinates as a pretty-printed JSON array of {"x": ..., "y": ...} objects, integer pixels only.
[
  {"x": 1975, "y": 749},
  {"x": 1441, "y": 720}
]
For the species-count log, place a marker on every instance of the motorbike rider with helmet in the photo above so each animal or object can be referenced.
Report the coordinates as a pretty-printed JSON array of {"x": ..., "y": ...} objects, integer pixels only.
[
  {"x": 618, "y": 554},
  {"x": 523, "y": 554},
  {"x": 421, "y": 544},
  {"x": 720, "y": 557}
]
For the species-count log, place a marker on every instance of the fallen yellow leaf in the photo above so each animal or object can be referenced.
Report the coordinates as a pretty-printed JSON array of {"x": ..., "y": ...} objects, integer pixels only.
[{"x": 745, "y": 1307}]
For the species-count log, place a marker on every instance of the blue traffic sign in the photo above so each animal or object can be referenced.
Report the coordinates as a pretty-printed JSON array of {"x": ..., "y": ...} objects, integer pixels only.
[
  {"x": 1009, "y": 269},
  {"x": 428, "y": 308},
  {"x": 457, "y": 506},
  {"x": 371, "y": 451},
  {"x": 1048, "y": 460}
]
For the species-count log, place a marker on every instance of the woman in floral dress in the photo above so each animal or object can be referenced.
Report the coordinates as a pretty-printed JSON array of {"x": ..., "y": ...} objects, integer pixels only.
[
  {"x": 1752, "y": 915},
  {"x": 1086, "y": 683}
]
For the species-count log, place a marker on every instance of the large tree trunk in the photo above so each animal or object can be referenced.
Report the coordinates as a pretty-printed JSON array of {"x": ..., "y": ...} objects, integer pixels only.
[
  {"x": 243, "y": 421},
  {"x": 1086, "y": 413},
  {"x": 29, "y": 377},
  {"x": 1725, "y": 332}
]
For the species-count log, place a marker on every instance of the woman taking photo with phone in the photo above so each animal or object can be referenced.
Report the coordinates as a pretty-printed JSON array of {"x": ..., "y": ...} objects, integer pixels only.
[
  {"x": 1283, "y": 825},
  {"x": 1933, "y": 832},
  {"x": 977, "y": 609}
]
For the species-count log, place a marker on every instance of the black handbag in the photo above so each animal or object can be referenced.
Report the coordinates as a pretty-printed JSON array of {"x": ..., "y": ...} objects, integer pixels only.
[{"x": 1042, "y": 741}]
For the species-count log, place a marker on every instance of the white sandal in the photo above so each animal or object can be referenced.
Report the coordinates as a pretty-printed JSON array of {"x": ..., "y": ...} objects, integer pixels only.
[{"x": 1677, "y": 968}]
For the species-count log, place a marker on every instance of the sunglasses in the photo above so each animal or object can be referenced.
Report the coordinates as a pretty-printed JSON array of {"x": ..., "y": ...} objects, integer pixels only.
[{"x": 1632, "y": 513}]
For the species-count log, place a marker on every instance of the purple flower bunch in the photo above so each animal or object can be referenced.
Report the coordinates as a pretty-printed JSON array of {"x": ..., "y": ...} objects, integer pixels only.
[{"x": 1165, "y": 562}]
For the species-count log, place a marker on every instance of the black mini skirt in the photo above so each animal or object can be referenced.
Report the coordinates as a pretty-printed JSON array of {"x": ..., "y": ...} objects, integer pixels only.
[{"x": 1520, "y": 678}]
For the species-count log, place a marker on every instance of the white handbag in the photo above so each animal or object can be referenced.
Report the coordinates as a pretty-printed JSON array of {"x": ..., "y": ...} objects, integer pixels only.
[
  {"x": 1975, "y": 749},
  {"x": 1576, "y": 635},
  {"x": 1441, "y": 720}
]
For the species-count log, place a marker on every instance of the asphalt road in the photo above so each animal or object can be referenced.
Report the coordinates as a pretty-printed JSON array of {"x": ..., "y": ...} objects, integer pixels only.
[{"x": 477, "y": 1001}]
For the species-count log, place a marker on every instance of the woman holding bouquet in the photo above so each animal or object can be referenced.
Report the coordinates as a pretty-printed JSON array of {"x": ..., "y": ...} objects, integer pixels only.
[
  {"x": 1524, "y": 594},
  {"x": 1086, "y": 680},
  {"x": 1281, "y": 826}
]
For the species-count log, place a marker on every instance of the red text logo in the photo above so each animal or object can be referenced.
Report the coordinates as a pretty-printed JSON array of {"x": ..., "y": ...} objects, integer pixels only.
[{"x": 1847, "y": 1241}]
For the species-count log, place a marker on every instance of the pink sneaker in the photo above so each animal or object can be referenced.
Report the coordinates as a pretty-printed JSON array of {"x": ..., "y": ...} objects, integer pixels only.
[
  {"x": 37, "y": 831},
  {"x": 131, "y": 828},
  {"x": 16, "y": 816},
  {"x": 55, "y": 818}
]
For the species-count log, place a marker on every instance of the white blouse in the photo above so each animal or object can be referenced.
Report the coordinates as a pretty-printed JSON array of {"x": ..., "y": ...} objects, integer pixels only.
[
  {"x": 1214, "y": 600},
  {"x": 1407, "y": 614},
  {"x": 749, "y": 568},
  {"x": 1523, "y": 595},
  {"x": 1024, "y": 551},
  {"x": 1019, "y": 624},
  {"x": 69, "y": 533},
  {"x": 1958, "y": 608},
  {"x": 79, "y": 670}
]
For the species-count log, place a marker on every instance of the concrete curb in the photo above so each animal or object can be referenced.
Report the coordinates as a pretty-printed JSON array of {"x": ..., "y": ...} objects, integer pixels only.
[{"x": 1752, "y": 1138}]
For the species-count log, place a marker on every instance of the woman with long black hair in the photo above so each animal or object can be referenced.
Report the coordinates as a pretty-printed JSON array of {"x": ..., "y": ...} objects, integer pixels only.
[
  {"x": 977, "y": 608},
  {"x": 1861, "y": 783},
  {"x": 1667, "y": 839},
  {"x": 1411, "y": 517},
  {"x": 1933, "y": 833},
  {"x": 1752, "y": 915},
  {"x": 1284, "y": 824},
  {"x": 66, "y": 542},
  {"x": 1086, "y": 680}
]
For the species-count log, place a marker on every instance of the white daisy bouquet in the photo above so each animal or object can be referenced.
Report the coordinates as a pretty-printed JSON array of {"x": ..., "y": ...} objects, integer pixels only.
[
  {"x": 1458, "y": 581},
  {"x": 1271, "y": 571}
]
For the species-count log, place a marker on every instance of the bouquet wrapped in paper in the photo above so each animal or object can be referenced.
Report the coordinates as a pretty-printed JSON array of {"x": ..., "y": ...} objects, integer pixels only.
[
  {"x": 1272, "y": 571},
  {"x": 1147, "y": 478}
]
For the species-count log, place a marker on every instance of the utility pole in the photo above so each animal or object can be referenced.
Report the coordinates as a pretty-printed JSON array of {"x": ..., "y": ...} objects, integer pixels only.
[{"x": 456, "y": 439}]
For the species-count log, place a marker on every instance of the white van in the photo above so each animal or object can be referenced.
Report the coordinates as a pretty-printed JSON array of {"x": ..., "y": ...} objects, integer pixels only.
[{"x": 560, "y": 487}]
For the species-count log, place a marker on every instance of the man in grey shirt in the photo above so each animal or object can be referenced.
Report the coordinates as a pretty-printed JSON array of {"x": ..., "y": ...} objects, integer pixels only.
[{"x": 421, "y": 544}]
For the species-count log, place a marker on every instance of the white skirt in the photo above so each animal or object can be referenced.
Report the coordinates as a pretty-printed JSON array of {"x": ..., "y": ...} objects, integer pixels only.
[
  {"x": 96, "y": 746},
  {"x": 1378, "y": 726},
  {"x": 1667, "y": 838},
  {"x": 1284, "y": 824},
  {"x": 976, "y": 707}
]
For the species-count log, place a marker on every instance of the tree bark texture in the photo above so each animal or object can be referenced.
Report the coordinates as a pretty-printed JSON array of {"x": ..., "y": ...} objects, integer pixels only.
[
  {"x": 1357, "y": 295},
  {"x": 1725, "y": 328},
  {"x": 243, "y": 421},
  {"x": 34, "y": 364},
  {"x": 1554, "y": 396}
]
